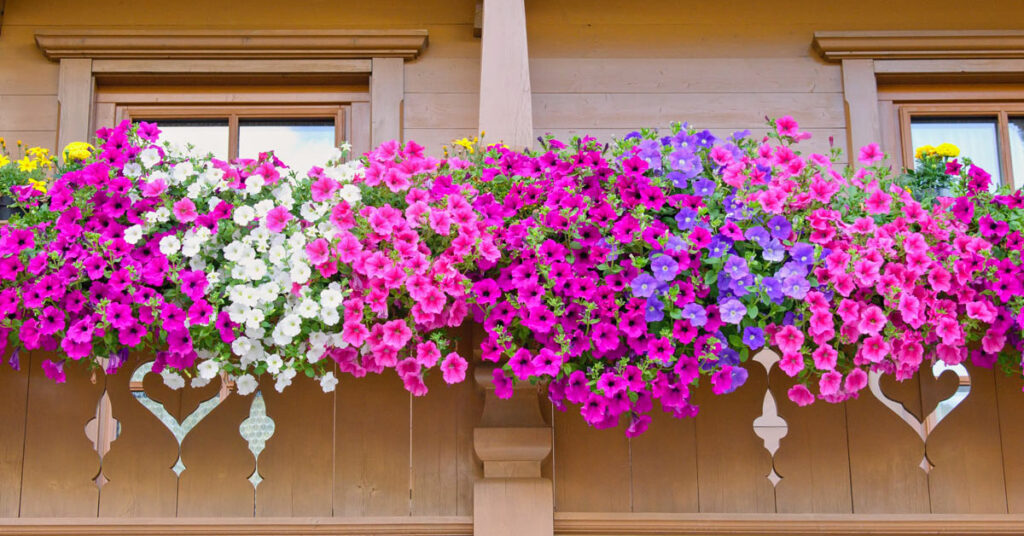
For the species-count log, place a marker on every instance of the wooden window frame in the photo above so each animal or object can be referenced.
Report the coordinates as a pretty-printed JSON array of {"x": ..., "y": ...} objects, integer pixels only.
[
  {"x": 916, "y": 57},
  {"x": 376, "y": 55},
  {"x": 1000, "y": 111},
  {"x": 234, "y": 113}
]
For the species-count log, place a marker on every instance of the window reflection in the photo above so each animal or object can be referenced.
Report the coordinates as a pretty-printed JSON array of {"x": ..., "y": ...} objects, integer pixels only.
[
  {"x": 299, "y": 143},
  {"x": 975, "y": 136},
  {"x": 1017, "y": 150},
  {"x": 205, "y": 135}
]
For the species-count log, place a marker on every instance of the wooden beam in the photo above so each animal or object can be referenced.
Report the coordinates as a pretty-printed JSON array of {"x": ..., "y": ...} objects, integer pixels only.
[
  {"x": 3, "y": 5},
  {"x": 506, "y": 107},
  {"x": 380, "y": 526},
  {"x": 603, "y": 524},
  {"x": 947, "y": 66},
  {"x": 478, "y": 18},
  {"x": 860, "y": 94},
  {"x": 929, "y": 44},
  {"x": 230, "y": 44},
  {"x": 225, "y": 66},
  {"x": 74, "y": 101},
  {"x": 387, "y": 91}
]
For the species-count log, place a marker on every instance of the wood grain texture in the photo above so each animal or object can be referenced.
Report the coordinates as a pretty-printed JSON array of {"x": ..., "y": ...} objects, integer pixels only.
[
  {"x": 74, "y": 100},
  {"x": 13, "y": 400},
  {"x": 506, "y": 106},
  {"x": 372, "y": 450},
  {"x": 28, "y": 112},
  {"x": 813, "y": 458},
  {"x": 664, "y": 465},
  {"x": 965, "y": 447},
  {"x": 885, "y": 453},
  {"x": 592, "y": 467},
  {"x": 387, "y": 90},
  {"x": 732, "y": 464},
  {"x": 138, "y": 465},
  {"x": 860, "y": 96},
  {"x": 1010, "y": 404},
  {"x": 295, "y": 465},
  {"x": 443, "y": 464},
  {"x": 60, "y": 463},
  {"x": 217, "y": 460}
]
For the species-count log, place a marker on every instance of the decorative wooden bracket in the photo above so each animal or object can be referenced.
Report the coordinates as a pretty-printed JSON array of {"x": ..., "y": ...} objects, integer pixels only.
[{"x": 512, "y": 440}]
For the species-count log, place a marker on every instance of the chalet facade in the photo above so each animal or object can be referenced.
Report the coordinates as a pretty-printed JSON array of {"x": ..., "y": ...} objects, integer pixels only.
[{"x": 942, "y": 453}]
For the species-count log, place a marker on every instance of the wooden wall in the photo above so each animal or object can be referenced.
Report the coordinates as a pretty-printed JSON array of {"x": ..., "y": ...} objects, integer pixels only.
[
  {"x": 368, "y": 450},
  {"x": 598, "y": 66}
]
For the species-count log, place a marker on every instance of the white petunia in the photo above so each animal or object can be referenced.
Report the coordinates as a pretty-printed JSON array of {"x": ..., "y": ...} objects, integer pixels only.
[
  {"x": 237, "y": 312},
  {"x": 263, "y": 207},
  {"x": 255, "y": 270},
  {"x": 132, "y": 170},
  {"x": 233, "y": 251},
  {"x": 308, "y": 309},
  {"x": 274, "y": 364},
  {"x": 162, "y": 214},
  {"x": 241, "y": 346},
  {"x": 300, "y": 273},
  {"x": 133, "y": 234},
  {"x": 208, "y": 369},
  {"x": 244, "y": 215},
  {"x": 198, "y": 382},
  {"x": 328, "y": 382},
  {"x": 284, "y": 379},
  {"x": 253, "y": 318},
  {"x": 245, "y": 384},
  {"x": 182, "y": 171},
  {"x": 253, "y": 184},
  {"x": 172, "y": 379},
  {"x": 315, "y": 353},
  {"x": 169, "y": 245},
  {"x": 194, "y": 190},
  {"x": 291, "y": 325},
  {"x": 330, "y": 317},
  {"x": 149, "y": 157},
  {"x": 330, "y": 299},
  {"x": 350, "y": 193}
]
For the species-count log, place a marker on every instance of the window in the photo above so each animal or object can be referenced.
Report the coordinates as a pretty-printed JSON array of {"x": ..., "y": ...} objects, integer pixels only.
[
  {"x": 991, "y": 134},
  {"x": 301, "y": 136}
]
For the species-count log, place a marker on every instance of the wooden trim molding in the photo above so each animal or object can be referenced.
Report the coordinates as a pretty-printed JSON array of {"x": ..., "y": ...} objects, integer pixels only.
[
  {"x": 958, "y": 44},
  {"x": 615, "y": 524},
  {"x": 385, "y": 526},
  {"x": 230, "y": 44}
]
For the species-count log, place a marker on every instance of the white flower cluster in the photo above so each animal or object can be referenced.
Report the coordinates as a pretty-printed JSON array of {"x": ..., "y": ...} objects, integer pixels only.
[{"x": 261, "y": 275}]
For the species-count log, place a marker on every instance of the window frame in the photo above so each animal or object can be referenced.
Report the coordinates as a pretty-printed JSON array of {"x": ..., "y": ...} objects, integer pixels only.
[
  {"x": 234, "y": 113},
  {"x": 998, "y": 110}
]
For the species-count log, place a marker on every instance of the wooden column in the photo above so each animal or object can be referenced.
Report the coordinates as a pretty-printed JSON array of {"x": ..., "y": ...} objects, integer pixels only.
[
  {"x": 860, "y": 92},
  {"x": 506, "y": 107},
  {"x": 512, "y": 499},
  {"x": 387, "y": 90},
  {"x": 74, "y": 100}
]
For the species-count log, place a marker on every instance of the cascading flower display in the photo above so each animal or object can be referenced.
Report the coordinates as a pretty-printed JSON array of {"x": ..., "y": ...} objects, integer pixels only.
[{"x": 618, "y": 275}]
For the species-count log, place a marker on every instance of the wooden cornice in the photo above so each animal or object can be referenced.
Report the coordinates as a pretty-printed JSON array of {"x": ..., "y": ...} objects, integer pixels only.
[
  {"x": 958, "y": 44},
  {"x": 613, "y": 524},
  {"x": 298, "y": 526},
  {"x": 230, "y": 44}
]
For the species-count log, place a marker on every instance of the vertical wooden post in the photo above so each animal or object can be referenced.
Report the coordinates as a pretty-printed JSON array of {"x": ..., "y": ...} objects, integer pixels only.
[
  {"x": 506, "y": 107},
  {"x": 860, "y": 92},
  {"x": 512, "y": 499},
  {"x": 387, "y": 90},
  {"x": 74, "y": 100}
]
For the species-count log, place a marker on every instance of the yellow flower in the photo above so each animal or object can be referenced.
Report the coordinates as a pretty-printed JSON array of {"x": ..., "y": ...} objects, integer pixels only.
[
  {"x": 27, "y": 164},
  {"x": 924, "y": 150},
  {"x": 77, "y": 150},
  {"x": 38, "y": 185},
  {"x": 39, "y": 153},
  {"x": 948, "y": 150},
  {"x": 4, "y": 160},
  {"x": 464, "y": 142}
]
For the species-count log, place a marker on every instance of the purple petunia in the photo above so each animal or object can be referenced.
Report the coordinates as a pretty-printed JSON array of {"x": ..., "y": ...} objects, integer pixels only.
[
  {"x": 664, "y": 267},
  {"x": 732, "y": 311},
  {"x": 753, "y": 337},
  {"x": 802, "y": 252},
  {"x": 780, "y": 227},
  {"x": 644, "y": 285},
  {"x": 704, "y": 187},
  {"x": 796, "y": 287},
  {"x": 736, "y": 267},
  {"x": 695, "y": 314},
  {"x": 655, "y": 309}
]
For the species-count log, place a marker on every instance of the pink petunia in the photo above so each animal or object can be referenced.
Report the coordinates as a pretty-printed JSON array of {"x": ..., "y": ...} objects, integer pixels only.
[
  {"x": 800, "y": 395},
  {"x": 830, "y": 383},
  {"x": 323, "y": 188},
  {"x": 453, "y": 368},
  {"x": 396, "y": 334},
  {"x": 789, "y": 339},
  {"x": 856, "y": 380},
  {"x": 870, "y": 153},
  {"x": 318, "y": 251},
  {"x": 185, "y": 211},
  {"x": 878, "y": 202},
  {"x": 277, "y": 219},
  {"x": 874, "y": 349}
]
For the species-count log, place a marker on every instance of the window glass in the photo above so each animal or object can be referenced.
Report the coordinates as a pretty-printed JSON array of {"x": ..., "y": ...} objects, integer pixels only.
[
  {"x": 975, "y": 136},
  {"x": 1017, "y": 150},
  {"x": 206, "y": 135},
  {"x": 299, "y": 143}
]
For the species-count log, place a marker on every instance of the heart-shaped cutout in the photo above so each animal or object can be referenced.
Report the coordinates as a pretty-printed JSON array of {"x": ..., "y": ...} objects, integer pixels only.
[
  {"x": 942, "y": 409},
  {"x": 178, "y": 429}
]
